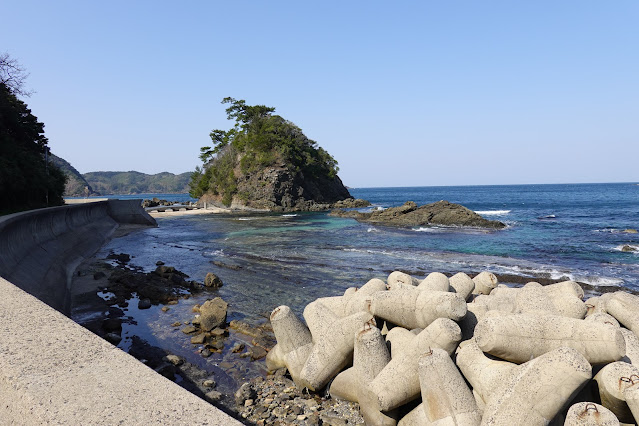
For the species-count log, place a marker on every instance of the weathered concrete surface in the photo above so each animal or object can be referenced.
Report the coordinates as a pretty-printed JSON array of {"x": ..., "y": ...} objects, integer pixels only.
[
  {"x": 41, "y": 248},
  {"x": 53, "y": 371}
]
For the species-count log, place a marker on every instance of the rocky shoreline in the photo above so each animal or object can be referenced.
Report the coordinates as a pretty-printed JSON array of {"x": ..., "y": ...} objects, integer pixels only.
[{"x": 258, "y": 396}]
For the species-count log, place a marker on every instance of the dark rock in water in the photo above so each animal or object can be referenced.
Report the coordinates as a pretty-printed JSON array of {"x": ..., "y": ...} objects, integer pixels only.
[
  {"x": 410, "y": 215},
  {"x": 628, "y": 248},
  {"x": 174, "y": 359},
  {"x": 144, "y": 304},
  {"x": 121, "y": 258},
  {"x": 213, "y": 313},
  {"x": 257, "y": 353},
  {"x": 113, "y": 338},
  {"x": 212, "y": 280},
  {"x": 156, "y": 287},
  {"x": 112, "y": 325},
  {"x": 159, "y": 263},
  {"x": 238, "y": 347},
  {"x": 213, "y": 396},
  {"x": 199, "y": 339},
  {"x": 226, "y": 265},
  {"x": 189, "y": 329},
  {"x": 99, "y": 275}
]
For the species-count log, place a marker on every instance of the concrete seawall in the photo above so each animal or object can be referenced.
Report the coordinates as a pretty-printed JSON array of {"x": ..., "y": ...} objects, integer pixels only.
[{"x": 53, "y": 371}]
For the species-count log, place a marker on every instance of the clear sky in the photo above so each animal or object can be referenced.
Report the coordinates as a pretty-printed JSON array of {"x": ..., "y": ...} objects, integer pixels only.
[{"x": 401, "y": 93}]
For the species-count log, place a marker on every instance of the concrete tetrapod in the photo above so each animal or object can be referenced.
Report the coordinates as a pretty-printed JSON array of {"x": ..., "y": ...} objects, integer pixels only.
[
  {"x": 447, "y": 400},
  {"x": 519, "y": 338},
  {"x": 485, "y": 375},
  {"x": 398, "y": 382},
  {"x": 343, "y": 385},
  {"x": 631, "y": 395},
  {"x": 370, "y": 356},
  {"x": 485, "y": 282},
  {"x": 401, "y": 278},
  {"x": 435, "y": 281},
  {"x": 590, "y": 414},
  {"x": 413, "y": 308},
  {"x": 612, "y": 380},
  {"x": 462, "y": 284},
  {"x": 604, "y": 319},
  {"x": 625, "y": 308},
  {"x": 294, "y": 340},
  {"x": 475, "y": 312},
  {"x": 415, "y": 417},
  {"x": 536, "y": 391},
  {"x": 332, "y": 351},
  {"x": 399, "y": 339},
  {"x": 632, "y": 347}
]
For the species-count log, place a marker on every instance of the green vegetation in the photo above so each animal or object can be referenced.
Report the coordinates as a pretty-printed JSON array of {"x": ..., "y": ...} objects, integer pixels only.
[
  {"x": 258, "y": 139},
  {"x": 137, "y": 183},
  {"x": 76, "y": 185},
  {"x": 26, "y": 180}
]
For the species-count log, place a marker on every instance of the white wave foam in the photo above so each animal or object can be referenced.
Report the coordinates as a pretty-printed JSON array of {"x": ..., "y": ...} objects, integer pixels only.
[
  {"x": 246, "y": 218},
  {"x": 426, "y": 229},
  {"x": 289, "y": 215},
  {"x": 372, "y": 229},
  {"x": 492, "y": 212}
]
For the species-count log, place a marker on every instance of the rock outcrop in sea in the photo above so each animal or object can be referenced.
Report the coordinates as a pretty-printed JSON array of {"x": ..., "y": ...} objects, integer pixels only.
[
  {"x": 410, "y": 215},
  {"x": 456, "y": 350},
  {"x": 281, "y": 188}
]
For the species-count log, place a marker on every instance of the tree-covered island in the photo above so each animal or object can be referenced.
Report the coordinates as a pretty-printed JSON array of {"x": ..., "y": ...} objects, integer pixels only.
[{"x": 266, "y": 162}]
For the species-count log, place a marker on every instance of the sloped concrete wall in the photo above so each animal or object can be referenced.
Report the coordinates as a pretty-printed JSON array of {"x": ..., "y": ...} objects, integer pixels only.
[{"x": 40, "y": 249}]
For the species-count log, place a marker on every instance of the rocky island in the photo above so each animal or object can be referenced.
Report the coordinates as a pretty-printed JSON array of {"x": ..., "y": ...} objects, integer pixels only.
[
  {"x": 265, "y": 162},
  {"x": 408, "y": 215}
]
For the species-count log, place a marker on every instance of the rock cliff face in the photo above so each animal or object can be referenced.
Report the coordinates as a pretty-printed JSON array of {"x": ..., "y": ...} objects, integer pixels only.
[
  {"x": 409, "y": 214},
  {"x": 279, "y": 188}
]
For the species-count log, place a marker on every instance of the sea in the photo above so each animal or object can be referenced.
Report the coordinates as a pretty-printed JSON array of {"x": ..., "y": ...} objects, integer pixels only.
[{"x": 554, "y": 232}]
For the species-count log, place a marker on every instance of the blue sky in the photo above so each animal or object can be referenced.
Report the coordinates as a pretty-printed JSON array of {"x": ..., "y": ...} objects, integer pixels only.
[{"x": 400, "y": 93}]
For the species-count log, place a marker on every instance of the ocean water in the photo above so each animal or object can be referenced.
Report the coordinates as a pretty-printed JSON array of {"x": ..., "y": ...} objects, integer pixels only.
[
  {"x": 266, "y": 260},
  {"x": 554, "y": 231}
]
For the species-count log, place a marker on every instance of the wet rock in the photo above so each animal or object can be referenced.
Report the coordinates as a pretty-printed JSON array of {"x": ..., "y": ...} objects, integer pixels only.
[
  {"x": 238, "y": 347},
  {"x": 174, "y": 359},
  {"x": 159, "y": 263},
  {"x": 144, "y": 304},
  {"x": 99, "y": 275},
  {"x": 257, "y": 353},
  {"x": 245, "y": 392},
  {"x": 206, "y": 353},
  {"x": 112, "y": 325},
  {"x": 628, "y": 248},
  {"x": 226, "y": 265},
  {"x": 113, "y": 338},
  {"x": 410, "y": 215},
  {"x": 165, "y": 308},
  {"x": 213, "y": 281},
  {"x": 209, "y": 383},
  {"x": 213, "y": 314},
  {"x": 189, "y": 329},
  {"x": 120, "y": 258},
  {"x": 213, "y": 396},
  {"x": 199, "y": 339}
]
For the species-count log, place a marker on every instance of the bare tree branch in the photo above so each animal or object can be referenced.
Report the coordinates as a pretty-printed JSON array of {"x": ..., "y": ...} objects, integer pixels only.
[{"x": 13, "y": 75}]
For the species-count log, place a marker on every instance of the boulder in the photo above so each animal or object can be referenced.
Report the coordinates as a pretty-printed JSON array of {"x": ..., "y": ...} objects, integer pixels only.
[
  {"x": 213, "y": 314},
  {"x": 212, "y": 280}
]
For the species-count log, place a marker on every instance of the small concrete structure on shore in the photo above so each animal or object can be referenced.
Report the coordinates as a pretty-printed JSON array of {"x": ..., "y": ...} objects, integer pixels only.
[{"x": 68, "y": 375}]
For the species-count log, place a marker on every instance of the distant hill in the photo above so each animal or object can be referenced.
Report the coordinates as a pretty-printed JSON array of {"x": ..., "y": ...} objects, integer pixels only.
[
  {"x": 76, "y": 185},
  {"x": 137, "y": 183}
]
